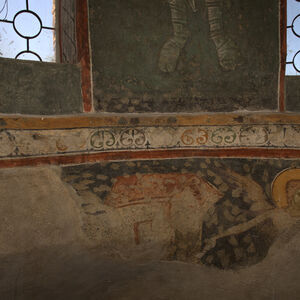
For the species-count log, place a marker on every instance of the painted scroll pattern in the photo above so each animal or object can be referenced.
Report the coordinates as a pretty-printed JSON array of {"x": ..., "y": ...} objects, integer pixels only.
[{"x": 20, "y": 143}]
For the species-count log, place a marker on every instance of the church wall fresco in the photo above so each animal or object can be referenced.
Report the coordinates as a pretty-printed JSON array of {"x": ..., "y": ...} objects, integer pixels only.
[
  {"x": 217, "y": 212},
  {"x": 184, "y": 55},
  {"x": 157, "y": 56}
]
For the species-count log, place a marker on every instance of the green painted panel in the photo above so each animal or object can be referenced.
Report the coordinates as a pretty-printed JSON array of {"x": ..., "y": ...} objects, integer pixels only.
[
  {"x": 292, "y": 84},
  {"x": 160, "y": 56},
  {"x": 39, "y": 88}
]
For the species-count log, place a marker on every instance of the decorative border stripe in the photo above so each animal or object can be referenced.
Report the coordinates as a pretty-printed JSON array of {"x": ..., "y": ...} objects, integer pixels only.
[
  {"x": 108, "y": 120},
  {"x": 28, "y": 143}
]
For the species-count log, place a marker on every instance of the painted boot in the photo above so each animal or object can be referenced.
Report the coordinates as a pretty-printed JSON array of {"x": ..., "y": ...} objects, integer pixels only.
[
  {"x": 227, "y": 51},
  {"x": 171, "y": 50}
]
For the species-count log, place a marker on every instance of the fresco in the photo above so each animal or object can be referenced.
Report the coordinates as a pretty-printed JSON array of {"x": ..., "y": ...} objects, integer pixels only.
[
  {"x": 184, "y": 55},
  {"x": 215, "y": 212}
]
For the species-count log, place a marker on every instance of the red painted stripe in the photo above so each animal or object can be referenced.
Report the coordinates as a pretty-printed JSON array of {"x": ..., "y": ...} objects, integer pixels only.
[
  {"x": 83, "y": 49},
  {"x": 282, "y": 55},
  {"x": 154, "y": 154}
]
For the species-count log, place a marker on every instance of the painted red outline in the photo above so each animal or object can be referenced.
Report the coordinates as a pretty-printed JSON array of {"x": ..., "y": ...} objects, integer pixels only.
[
  {"x": 283, "y": 47},
  {"x": 148, "y": 155},
  {"x": 83, "y": 53}
]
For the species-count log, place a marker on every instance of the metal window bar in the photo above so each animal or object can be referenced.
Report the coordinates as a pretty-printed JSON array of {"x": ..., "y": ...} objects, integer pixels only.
[{"x": 28, "y": 38}]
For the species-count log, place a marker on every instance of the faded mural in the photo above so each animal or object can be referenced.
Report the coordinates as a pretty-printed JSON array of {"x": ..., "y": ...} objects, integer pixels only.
[
  {"x": 184, "y": 55},
  {"x": 223, "y": 213}
]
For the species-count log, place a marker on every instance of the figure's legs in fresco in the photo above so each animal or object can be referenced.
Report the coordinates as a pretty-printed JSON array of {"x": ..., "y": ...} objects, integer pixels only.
[
  {"x": 172, "y": 48},
  {"x": 226, "y": 49}
]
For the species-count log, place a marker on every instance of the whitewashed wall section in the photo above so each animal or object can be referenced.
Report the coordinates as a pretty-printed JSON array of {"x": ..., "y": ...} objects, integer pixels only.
[{"x": 20, "y": 143}]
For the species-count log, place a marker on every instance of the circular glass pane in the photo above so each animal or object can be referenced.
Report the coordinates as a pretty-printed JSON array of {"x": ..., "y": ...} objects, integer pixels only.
[
  {"x": 296, "y": 61},
  {"x": 28, "y": 56},
  {"x": 296, "y": 26},
  {"x": 27, "y": 24}
]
